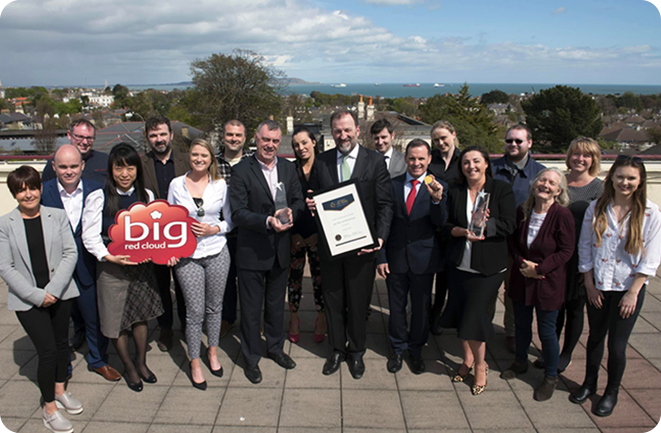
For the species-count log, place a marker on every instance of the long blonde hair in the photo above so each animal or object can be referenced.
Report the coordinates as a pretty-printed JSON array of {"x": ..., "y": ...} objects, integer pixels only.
[
  {"x": 213, "y": 167},
  {"x": 634, "y": 243},
  {"x": 562, "y": 199}
]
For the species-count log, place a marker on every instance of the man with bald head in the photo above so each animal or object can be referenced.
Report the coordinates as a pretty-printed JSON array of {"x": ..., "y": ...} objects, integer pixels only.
[{"x": 68, "y": 191}]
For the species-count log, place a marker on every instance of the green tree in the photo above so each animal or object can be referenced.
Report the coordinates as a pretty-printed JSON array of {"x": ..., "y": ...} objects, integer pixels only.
[
  {"x": 121, "y": 96},
  {"x": 494, "y": 97},
  {"x": 237, "y": 86},
  {"x": 630, "y": 100},
  {"x": 472, "y": 121},
  {"x": 560, "y": 114}
]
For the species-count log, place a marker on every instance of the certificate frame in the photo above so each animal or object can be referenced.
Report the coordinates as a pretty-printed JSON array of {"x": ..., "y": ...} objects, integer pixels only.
[{"x": 342, "y": 221}]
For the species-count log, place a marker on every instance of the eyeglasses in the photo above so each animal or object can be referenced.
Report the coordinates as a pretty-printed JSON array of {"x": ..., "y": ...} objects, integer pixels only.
[
  {"x": 199, "y": 203},
  {"x": 513, "y": 140},
  {"x": 82, "y": 138},
  {"x": 634, "y": 159}
]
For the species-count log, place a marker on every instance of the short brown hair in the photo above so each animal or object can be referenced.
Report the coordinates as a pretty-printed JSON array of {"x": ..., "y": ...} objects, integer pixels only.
[
  {"x": 589, "y": 146},
  {"x": 341, "y": 113},
  {"x": 23, "y": 177},
  {"x": 521, "y": 127}
]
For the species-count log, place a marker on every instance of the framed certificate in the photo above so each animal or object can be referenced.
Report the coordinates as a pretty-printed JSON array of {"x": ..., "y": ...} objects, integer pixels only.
[{"x": 342, "y": 219}]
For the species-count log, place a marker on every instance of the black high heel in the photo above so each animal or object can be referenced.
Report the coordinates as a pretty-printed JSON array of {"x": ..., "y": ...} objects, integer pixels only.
[
  {"x": 137, "y": 387},
  {"x": 202, "y": 386}
]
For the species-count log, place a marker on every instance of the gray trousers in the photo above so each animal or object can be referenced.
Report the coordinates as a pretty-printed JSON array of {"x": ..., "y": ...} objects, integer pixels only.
[{"x": 203, "y": 285}]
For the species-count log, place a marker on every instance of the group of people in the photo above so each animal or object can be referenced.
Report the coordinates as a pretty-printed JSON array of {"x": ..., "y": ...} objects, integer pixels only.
[{"x": 557, "y": 241}]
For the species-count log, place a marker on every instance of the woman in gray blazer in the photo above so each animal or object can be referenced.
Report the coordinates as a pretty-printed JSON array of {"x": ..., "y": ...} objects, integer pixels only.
[{"x": 38, "y": 270}]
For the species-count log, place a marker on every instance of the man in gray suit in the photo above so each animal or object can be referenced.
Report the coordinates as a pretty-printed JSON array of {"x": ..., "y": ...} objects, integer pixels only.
[{"x": 384, "y": 134}]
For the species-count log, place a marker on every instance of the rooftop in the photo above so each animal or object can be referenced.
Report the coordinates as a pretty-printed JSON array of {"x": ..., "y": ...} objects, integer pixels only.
[{"x": 304, "y": 400}]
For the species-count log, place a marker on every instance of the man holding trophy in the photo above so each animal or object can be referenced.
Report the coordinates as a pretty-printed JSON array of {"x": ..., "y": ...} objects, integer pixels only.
[{"x": 265, "y": 197}]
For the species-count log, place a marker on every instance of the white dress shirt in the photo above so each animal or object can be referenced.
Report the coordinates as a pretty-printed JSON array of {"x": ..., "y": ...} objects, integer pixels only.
[
  {"x": 351, "y": 160},
  {"x": 614, "y": 269},
  {"x": 93, "y": 221},
  {"x": 73, "y": 203},
  {"x": 215, "y": 198},
  {"x": 271, "y": 175},
  {"x": 388, "y": 157},
  {"x": 408, "y": 185}
]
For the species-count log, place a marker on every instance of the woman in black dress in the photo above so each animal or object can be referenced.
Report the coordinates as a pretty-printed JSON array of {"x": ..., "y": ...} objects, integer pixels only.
[{"x": 476, "y": 263}]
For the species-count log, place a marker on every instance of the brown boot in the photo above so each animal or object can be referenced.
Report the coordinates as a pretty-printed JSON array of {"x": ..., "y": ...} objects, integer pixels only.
[{"x": 545, "y": 391}]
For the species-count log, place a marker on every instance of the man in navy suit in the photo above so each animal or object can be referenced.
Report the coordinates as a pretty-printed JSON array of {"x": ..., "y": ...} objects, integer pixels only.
[
  {"x": 263, "y": 245},
  {"x": 412, "y": 255},
  {"x": 348, "y": 281},
  {"x": 68, "y": 191}
]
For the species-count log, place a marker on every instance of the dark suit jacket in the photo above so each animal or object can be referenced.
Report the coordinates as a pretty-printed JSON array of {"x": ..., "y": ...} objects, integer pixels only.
[
  {"x": 251, "y": 202},
  {"x": 373, "y": 185},
  {"x": 181, "y": 167},
  {"x": 85, "y": 272},
  {"x": 489, "y": 256},
  {"x": 412, "y": 244},
  {"x": 551, "y": 250}
]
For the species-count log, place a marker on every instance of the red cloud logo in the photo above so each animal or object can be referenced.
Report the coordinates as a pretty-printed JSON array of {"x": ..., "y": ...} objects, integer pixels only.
[{"x": 157, "y": 231}]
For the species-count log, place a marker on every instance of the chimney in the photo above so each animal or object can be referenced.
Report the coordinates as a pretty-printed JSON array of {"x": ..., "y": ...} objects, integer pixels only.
[
  {"x": 370, "y": 109},
  {"x": 290, "y": 124},
  {"x": 361, "y": 108}
]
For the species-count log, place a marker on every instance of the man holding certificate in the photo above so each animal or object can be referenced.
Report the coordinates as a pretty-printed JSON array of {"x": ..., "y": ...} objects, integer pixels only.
[
  {"x": 348, "y": 277},
  {"x": 412, "y": 255},
  {"x": 266, "y": 199}
]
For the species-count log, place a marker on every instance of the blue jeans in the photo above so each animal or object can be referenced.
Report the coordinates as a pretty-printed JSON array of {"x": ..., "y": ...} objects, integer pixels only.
[{"x": 546, "y": 324}]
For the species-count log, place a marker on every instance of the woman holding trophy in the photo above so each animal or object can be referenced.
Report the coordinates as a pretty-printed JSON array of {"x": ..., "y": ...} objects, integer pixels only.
[{"x": 481, "y": 214}]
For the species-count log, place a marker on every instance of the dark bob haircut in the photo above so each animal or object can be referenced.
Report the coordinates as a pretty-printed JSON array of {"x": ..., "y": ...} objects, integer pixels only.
[{"x": 23, "y": 177}]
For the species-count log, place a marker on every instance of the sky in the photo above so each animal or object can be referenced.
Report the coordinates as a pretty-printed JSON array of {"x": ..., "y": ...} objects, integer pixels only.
[{"x": 88, "y": 42}]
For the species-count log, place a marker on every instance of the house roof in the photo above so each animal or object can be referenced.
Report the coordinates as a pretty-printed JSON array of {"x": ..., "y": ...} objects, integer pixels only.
[{"x": 133, "y": 133}]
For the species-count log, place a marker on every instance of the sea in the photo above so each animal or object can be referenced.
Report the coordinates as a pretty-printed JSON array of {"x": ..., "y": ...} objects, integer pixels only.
[{"x": 396, "y": 90}]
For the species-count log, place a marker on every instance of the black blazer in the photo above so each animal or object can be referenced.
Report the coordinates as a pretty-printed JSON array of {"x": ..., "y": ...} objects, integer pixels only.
[
  {"x": 251, "y": 202},
  {"x": 412, "y": 242},
  {"x": 489, "y": 256},
  {"x": 373, "y": 185}
]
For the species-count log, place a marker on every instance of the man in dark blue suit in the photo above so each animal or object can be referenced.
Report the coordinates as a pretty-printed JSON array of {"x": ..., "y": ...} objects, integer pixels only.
[
  {"x": 68, "y": 191},
  {"x": 412, "y": 254}
]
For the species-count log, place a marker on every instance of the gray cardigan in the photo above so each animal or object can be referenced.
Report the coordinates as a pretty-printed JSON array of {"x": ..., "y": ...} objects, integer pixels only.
[{"x": 16, "y": 267}]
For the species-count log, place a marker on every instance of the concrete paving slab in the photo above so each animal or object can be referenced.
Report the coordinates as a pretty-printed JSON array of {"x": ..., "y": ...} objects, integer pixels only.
[
  {"x": 12, "y": 361},
  {"x": 641, "y": 374},
  {"x": 169, "y": 428},
  {"x": 435, "y": 378},
  {"x": 648, "y": 345},
  {"x": 372, "y": 408},
  {"x": 312, "y": 408},
  {"x": 627, "y": 413},
  {"x": 256, "y": 407},
  {"x": 649, "y": 400},
  {"x": 91, "y": 396},
  {"x": 183, "y": 374},
  {"x": 432, "y": 409},
  {"x": 114, "y": 427},
  {"x": 273, "y": 376},
  {"x": 12, "y": 424},
  {"x": 8, "y": 317},
  {"x": 546, "y": 414},
  {"x": 248, "y": 429},
  {"x": 190, "y": 406},
  {"x": 493, "y": 409},
  {"x": 19, "y": 399},
  {"x": 6, "y": 331},
  {"x": 124, "y": 405}
]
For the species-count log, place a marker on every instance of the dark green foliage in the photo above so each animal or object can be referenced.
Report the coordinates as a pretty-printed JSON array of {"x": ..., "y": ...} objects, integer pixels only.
[{"x": 560, "y": 114}]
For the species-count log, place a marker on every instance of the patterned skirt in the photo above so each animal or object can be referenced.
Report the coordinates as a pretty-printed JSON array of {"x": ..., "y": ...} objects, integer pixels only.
[{"x": 126, "y": 295}]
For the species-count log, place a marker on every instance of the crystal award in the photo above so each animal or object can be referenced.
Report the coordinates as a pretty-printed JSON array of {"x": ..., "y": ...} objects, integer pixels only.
[
  {"x": 479, "y": 216},
  {"x": 281, "y": 203}
]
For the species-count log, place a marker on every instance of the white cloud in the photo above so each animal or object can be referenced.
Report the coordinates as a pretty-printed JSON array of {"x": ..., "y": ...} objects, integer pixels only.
[
  {"x": 393, "y": 2},
  {"x": 68, "y": 42},
  {"x": 561, "y": 10}
]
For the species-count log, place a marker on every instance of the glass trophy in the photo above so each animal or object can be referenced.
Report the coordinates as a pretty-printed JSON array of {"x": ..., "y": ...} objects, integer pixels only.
[
  {"x": 281, "y": 203},
  {"x": 479, "y": 217}
]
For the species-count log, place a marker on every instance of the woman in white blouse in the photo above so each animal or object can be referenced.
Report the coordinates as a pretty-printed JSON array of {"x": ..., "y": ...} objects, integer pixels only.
[
  {"x": 618, "y": 250},
  {"x": 126, "y": 291},
  {"x": 203, "y": 275}
]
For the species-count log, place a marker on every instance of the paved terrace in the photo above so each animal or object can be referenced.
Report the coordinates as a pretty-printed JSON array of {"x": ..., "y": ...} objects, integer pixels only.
[{"x": 303, "y": 400}]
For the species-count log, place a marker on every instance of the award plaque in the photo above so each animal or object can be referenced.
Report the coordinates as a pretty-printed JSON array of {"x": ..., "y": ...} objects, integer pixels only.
[
  {"x": 479, "y": 216},
  {"x": 342, "y": 219},
  {"x": 281, "y": 203}
]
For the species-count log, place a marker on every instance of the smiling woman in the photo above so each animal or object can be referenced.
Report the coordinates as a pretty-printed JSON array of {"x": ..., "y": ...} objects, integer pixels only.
[{"x": 38, "y": 267}]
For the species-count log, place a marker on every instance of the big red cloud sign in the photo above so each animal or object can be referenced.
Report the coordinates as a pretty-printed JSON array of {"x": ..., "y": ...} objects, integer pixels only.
[{"x": 157, "y": 231}]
